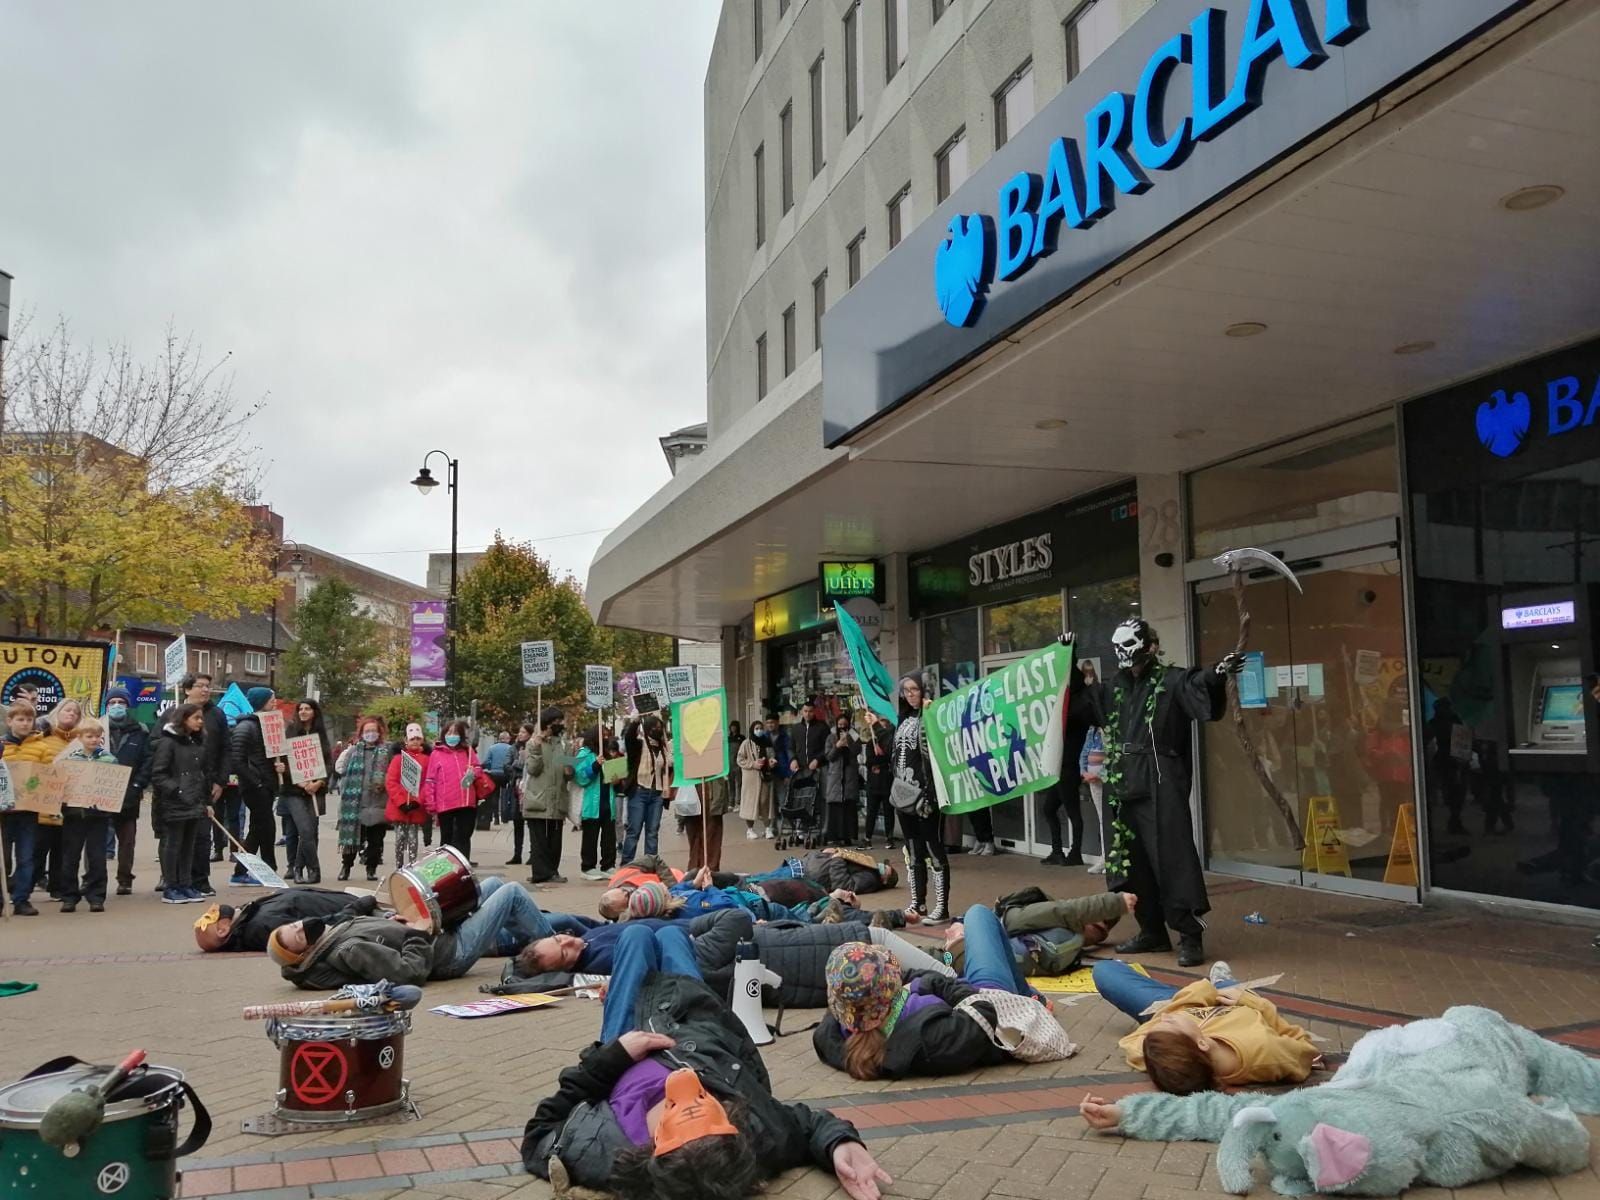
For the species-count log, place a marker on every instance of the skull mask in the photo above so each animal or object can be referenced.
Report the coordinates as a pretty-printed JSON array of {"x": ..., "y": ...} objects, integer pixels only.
[{"x": 1134, "y": 641}]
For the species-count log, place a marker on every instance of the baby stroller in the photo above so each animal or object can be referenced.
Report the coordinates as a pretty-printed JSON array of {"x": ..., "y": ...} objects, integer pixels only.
[{"x": 797, "y": 816}]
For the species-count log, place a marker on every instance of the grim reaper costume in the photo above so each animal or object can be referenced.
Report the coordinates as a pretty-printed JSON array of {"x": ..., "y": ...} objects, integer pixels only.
[{"x": 1144, "y": 713}]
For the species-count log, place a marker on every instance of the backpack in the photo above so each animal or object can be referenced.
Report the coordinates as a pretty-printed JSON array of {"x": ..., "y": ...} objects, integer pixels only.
[{"x": 1020, "y": 899}]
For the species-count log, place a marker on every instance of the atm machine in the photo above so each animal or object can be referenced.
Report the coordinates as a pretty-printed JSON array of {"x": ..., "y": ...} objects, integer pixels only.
[{"x": 1547, "y": 656}]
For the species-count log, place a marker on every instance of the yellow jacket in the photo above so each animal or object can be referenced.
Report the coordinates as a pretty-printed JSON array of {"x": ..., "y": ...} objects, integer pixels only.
[
  {"x": 33, "y": 749},
  {"x": 1270, "y": 1049},
  {"x": 49, "y": 747}
]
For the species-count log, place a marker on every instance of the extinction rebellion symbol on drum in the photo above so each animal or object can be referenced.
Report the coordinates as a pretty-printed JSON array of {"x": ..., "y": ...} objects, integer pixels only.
[
  {"x": 311, "y": 1072},
  {"x": 386, "y": 1057},
  {"x": 113, "y": 1178}
]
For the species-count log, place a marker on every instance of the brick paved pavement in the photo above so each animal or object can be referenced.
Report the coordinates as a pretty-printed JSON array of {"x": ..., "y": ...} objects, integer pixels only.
[{"x": 130, "y": 977}]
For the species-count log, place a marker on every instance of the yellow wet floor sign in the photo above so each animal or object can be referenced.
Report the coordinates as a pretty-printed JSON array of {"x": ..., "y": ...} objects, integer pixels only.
[
  {"x": 1324, "y": 853},
  {"x": 1402, "y": 868}
]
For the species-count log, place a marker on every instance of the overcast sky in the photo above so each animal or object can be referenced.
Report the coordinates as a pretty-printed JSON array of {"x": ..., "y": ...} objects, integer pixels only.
[{"x": 471, "y": 225}]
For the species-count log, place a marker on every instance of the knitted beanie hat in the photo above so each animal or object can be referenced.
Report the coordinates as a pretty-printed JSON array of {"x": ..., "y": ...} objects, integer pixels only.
[
  {"x": 863, "y": 981},
  {"x": 118, "y": 692},
  {"x": 279, "y": 953},
  {"x": 259, "y": 698},
  {"x": 649, "y": 900}
]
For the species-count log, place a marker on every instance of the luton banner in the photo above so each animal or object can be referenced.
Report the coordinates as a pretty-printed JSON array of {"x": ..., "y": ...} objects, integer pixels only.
[
  {"x": 60, "y": 670},
  {"x": 1000, "y": 738}
]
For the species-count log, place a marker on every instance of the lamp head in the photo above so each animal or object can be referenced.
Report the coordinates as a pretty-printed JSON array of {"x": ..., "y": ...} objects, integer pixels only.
[{"x": 424, "y": 482}]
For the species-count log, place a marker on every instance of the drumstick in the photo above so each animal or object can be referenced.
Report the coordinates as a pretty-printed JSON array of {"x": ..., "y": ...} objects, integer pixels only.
[{"x": 401, "y": 997}]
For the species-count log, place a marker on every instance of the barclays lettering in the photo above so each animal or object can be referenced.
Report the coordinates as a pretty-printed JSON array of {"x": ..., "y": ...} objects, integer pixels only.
[
  {"x": 1505, "y": 420},
  {"x": 1124, "y": 142}
]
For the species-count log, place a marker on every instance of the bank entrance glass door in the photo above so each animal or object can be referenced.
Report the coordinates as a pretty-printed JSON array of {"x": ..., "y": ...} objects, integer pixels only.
[{"x": 1327, "y": 708}]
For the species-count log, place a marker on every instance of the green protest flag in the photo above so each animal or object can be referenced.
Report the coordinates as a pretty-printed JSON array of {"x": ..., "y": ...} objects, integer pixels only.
[
  {"x": 1001, "y": 737},
  {"x": 700, "y": 738},
  {"x": 877, "y": 685}
]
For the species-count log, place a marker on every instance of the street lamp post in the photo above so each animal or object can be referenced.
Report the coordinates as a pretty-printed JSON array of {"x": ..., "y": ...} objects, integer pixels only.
[
  {"x": 425, "y": 483},
  {"x": 296, "y": 564}
]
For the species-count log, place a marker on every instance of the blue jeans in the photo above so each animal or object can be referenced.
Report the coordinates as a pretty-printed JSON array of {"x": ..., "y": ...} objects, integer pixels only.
[
  {"x": 644, "y": 814},
  {"x": 506, "y": 913},
  {"x": 989, "y": 961},
  {"x": 641, "y": 950},
  {"x": 1132, "y": 992},
  {"x": 16, "y": 828}
]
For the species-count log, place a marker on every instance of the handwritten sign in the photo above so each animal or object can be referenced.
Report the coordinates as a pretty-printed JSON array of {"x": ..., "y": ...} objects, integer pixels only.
[
  {"x": 272, "y": 734},
  {"x": 177, "y": 659},
  {"x": 410, "y": 774},
  {"x": 36, "y": 788},
  {"x": 538, "y": 663},
  {"x": 614, "y": 770},
  {"x": 597, "y": 686},
  {"x": 86, "y": 784},
  {"x": 653, "y": 682},
  {"x": 680, "y": 683},
  {"x": 305, "y": 759}
]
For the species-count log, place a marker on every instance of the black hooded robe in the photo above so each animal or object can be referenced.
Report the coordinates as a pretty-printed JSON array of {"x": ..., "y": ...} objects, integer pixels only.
[{"x": 1164, "y": 868}]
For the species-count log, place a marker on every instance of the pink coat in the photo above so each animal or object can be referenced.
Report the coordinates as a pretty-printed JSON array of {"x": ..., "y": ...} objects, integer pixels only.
[{"x": 441, "y": 782}]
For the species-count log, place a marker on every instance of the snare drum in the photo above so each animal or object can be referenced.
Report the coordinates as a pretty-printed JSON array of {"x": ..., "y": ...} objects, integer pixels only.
[
  {"x": 439, "y": 885},
  {"x": 336, "y": 1069},
  {"x": 132, "y": 1155}
]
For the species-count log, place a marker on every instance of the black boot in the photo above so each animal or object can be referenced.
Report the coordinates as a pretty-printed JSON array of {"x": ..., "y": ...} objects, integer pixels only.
[
  {"x": 1054, "y": 859},
  {"x": 344, "y": 868},
  {"x": 940, "y": 912},
  {"x": 372, "y": 872},
  {"x": 1191, "y": 952},
  {"x": 1147, "y": 941},
  {"x": 1074, "y": 859}
]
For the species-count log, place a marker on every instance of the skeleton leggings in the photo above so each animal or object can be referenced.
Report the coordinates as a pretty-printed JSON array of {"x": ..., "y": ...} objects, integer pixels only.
[
  {"x": 405, "y": 845},
  {"x": 924, "y": 843}
]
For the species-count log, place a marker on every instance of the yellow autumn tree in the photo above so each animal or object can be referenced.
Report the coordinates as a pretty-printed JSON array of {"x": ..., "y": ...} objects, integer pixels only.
[{"x": 121, "y": 489}]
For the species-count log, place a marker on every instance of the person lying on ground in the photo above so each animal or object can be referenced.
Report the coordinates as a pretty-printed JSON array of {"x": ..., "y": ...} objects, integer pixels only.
[
  {"x": 222, "y": 928},
  {"x": 714, "y": 937},
  {"x": 674, "y": 1101},
  {"x": 833, "y": 867},
  {"x": 701, "y": 895},
  {"x": 647, "y": 868},
  {"x": 885, "y": 1022},
  {"x": 359, "y": 947},
  {"x": 1209, "y": 1035},
  {"x": 1048, "y": 937}
]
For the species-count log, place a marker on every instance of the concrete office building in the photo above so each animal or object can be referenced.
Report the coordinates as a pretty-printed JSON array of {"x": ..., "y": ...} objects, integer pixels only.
[{"x": 1101, "y": 290}]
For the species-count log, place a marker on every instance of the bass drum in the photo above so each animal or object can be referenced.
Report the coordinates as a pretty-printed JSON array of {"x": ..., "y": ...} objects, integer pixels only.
[
  {"x": 134, "y": 1153},
  {"x": 338, "y": 1069}
]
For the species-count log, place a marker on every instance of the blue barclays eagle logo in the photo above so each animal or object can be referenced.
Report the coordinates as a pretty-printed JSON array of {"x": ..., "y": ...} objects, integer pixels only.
[
  {"x": 962, "y": 267},
  {"x": 1503, "y": 422},
  {"x": 981, "y": 763}
]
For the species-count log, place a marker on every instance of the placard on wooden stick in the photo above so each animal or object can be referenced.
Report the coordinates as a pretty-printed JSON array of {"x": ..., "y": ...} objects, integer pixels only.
[{"x": 305, "y": 759}]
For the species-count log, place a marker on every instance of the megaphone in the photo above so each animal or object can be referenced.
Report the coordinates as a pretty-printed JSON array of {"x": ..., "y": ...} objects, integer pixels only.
[{"x": 748, "y": 978}]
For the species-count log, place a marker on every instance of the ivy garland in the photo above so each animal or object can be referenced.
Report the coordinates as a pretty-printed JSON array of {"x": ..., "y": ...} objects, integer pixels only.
[{"x": 1119, "y": 856}]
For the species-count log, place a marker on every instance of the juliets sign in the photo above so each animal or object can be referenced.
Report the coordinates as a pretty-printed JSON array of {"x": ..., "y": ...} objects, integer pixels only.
[{"x": 1126, "y": 139}]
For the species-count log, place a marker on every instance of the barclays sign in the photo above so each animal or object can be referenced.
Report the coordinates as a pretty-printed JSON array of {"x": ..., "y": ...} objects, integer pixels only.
[
  {"x": 1566, "y": 402},
  {"x": 1126, "y": 140}
]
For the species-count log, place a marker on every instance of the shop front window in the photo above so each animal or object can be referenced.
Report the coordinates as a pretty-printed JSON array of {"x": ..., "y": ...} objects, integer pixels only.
[
  {"x": 1022, "y": 625},
  {"x": 1328, "y": 481},
  {"x": 1094, "y": 610},
  {"x": 950, "y": 643}
]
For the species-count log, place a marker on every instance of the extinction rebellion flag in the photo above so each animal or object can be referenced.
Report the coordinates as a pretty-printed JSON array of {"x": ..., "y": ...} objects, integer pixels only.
[
  {"x": 1000, "y": 738},
  {"x": 877, "y": 685}
]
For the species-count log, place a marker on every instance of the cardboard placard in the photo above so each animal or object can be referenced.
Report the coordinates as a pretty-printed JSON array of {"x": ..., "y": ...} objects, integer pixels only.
[
  {"x": 35, "y": 787},
  {"x": 680, "y": 683},
  {"x": 272, "y": 734},
  {"x": 614, "y": 770},
  {"x": 257, "y": 869},
  {"x": 176, "y": 659},
  {"x": 305, "y": 759},
  {"x": 598, "y": 687},
  {"x": 495, "y": 1007},
  {"x": 86, "y": 784},
  {"x": 653, "y": 682},
  {"x": 8, "y": 798},
  {"x": 700, "y": 738},
  {"x": 538, "y": 663},
  {"x": 410, "y": 774}
]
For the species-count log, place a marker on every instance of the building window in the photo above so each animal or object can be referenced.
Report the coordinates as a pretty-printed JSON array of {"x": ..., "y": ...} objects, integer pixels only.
[
  {"x": 852, "y": 66},
  {"x": 761, "y": 367},
  {"x": 761, "y": 194},
  {"x": 202, "y": 662},
  {"x": 788, "y": 341},
  {"x": 786, "y": 146},
  {"x": 950, "y": 166},
  {"x": 819, "y": 305},
  {"x": 1013, "y": 104},
  {"x": 852, "y": 257},
  {"x": 940, "y": 7},
  {"x": 899, "y": 215},
  {"x": 755, "y": 10},
  {"x": 144, "y": 658},
  {"x": 1079, "y": 55},
  {"x": 818, "y": 145},
  {"x": 896, "y": 35},
  {"x": 255, "y": 662}
]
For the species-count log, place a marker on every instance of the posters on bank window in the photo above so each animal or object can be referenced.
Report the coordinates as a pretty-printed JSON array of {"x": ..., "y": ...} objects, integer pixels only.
[
  {"x": 61, "y": 670},
  {"x": 699, "y": 737},
  {"x": 1000, "y": 737}
]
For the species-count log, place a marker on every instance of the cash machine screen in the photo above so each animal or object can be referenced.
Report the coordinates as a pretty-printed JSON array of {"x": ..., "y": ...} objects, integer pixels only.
[{"x": 1561, "y": 704}]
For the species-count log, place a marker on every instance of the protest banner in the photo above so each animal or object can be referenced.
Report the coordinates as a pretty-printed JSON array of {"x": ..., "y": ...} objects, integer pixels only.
[
  {"x": 707, "y": 679},
  {"x": 653, "y": 682},
  {"x": 680, "y": 683},
  {"x": 305, "y": 759},
  {"x": 428, "y": 659},
  {"x": 700, "y": 738},
  {"x": 61, "y": 670},
  {"x": 498, "y": 1006},
  {"x": 538, "y": 663},
  {"x": 872, "y": 677},
  {"x": 176, "y": 661},
  {"x": 273, "y": 737},
  {"x": 35, "y": 788},
  {"x": 256, "y": 867},
  {"x": 86, "y": 784},
  {"x": 597, "y": 686},
  {"x": 1000, "y": 738},
  {"x": 410, "y": 775},
  {"x": 627, "y": 692},
  {"x": 614, "y": 770}
]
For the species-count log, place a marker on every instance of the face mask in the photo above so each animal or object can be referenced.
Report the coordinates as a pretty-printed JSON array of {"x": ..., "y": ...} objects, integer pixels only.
[
  {"x": 370, "y": 737},
  {"x": 690, "y": 1113},
  {"x": 313, "y": 927},
  {"x": 452, "y": 739},
  {"x": 116, "y": 711}
]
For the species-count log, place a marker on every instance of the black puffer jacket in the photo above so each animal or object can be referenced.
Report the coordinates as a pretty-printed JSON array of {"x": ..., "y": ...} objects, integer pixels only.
[
  {"x": 936, "y": 1040},
  {"x": 799, "y": 955},
  {"x": 129, "y": 741},
  {"x": 254, "y": 921},
  {"x": 834, "y": 871},
  {"x": 247, "y": 757},
  {"x": 178, "y": 775},
  {"x": 577, "y": 1126}
]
